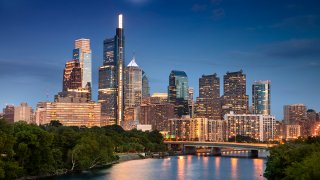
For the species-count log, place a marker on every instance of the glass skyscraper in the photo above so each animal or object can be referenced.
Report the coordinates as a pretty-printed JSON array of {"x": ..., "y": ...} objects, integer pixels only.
[
  {"x": 111, "y": 76},
  {"x": 178, "y": 92},
  {"x": 133, "y": 85},
  {"x": 145, "y": 85},
  {"x": 261, "y": 97}
]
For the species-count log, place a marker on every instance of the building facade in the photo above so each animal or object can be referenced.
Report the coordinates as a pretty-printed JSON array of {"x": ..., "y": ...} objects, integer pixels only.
[
  {"x": 189, "y": 129},
  {"x": 8, "y": 113},
  {"x": 208, "y": 103},
  {"x": 23, "y": 113},
  {"x": 145, "y": 85},
  {"x": 156, "y": 114},
  {"x": 178, "y": 92},
  {"x": 111, "y": 78},
  {"x": 217, "y": 131},
  {"x": 294, "y": 113},
  {"x": 234, "y": 97},
  {"x": 69, "y": 114},
  {"x": 82, "y": 53},
  {"x": 257, "y": 126},
  {"x": 261, "y": 97}
]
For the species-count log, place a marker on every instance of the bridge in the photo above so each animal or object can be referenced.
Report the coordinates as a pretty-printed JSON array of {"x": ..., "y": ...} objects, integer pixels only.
[{"x": 189, "y": 147}]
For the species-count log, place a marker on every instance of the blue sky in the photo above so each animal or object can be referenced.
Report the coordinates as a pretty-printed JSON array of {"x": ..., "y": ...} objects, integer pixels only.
[{"x": 269, "y": 40}]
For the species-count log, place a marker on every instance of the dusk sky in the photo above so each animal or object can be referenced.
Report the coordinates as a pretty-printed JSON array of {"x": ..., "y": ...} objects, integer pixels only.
[{"x": 269, "y": 40}]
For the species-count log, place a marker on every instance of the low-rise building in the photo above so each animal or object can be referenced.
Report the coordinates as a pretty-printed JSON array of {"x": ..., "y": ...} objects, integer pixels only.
[{"x": 69, "y": 114}]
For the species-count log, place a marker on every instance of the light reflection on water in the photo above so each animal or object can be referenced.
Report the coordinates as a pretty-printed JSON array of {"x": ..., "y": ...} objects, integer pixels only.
[{"x": 180, "y": 167}]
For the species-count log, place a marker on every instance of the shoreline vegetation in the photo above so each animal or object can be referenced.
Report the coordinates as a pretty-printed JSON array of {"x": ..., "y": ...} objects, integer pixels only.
[
  {"x": 29, "y": 151},
  {"x": 298, "y": 159}
]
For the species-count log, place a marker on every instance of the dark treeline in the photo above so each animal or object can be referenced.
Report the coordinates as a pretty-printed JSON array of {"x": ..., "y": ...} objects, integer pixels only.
[
  {"x": 299, "y": 159},
  {"x": 30, "y": 150}
]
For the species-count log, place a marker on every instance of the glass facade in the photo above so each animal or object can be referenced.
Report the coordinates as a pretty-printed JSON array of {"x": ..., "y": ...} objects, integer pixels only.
[
  {"x": 261, "y": 97},
  {"x": 178, "y": 92},
  {"x": 111, "y": 77},
  {"x": 145, "y": 85},
  {"x": 82, "y": 52}
]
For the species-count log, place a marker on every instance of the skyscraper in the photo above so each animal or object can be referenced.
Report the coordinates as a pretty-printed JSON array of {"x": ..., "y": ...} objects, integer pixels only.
[
  {"x": 133, "y": 85},
  {"x": 111, "y": 76},
  {"x": 145, "y": 85},
  {"x": 261, "y": 97},
  {"x": 208, "y": 103},
  {"x": 82, "y": 52},
  {"x": 76, "y": 85},
  {"x": 234, "y": 97},
  {"x": 178, "y": 92}
]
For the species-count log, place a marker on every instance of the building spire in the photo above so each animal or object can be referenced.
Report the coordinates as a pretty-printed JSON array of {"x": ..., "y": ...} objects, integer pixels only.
[
  {"x": 120, "y": 21},
  {"x": 133, "y": 62}
]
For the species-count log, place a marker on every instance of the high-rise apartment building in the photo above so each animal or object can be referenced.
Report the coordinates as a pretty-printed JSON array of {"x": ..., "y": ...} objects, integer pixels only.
[
  {"x": 189, "y": 129},
  {"x": 257, "y": 126},
  {"x": 234, "y": 97},
  {"x": 208, "y": 103},
  {"x": 23, "y": 113},
  {"x": 178, "y": 92},
  {"x": 261, "y": 97},
  {"x": 294, "y": 113},
  {"x": 217, "y": 130},
  {"x": 8, "y": 113},
  {"x": 111, "y": 78}
]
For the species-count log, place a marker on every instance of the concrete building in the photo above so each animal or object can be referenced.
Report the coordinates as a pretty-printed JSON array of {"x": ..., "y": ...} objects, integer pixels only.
[
  {"x": 292, "y": 131},
  {"x": 257, "y": 126},
  {"x": 23, "y": 113},
  {"x": 217, "y": 131},
  {"x": 189, "y": 129},
  {"x": 69, "y": 114},
  {"x": 208, "y": 103},
  {"x": 157, "y": 115},
  {"x": 234, "y": 97},
  {"x": 8, "y": 113},
  {"x": 294, "y": 113}
]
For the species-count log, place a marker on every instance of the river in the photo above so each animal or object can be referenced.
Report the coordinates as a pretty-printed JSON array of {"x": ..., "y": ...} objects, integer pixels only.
[{"x": 179, "y": 167}]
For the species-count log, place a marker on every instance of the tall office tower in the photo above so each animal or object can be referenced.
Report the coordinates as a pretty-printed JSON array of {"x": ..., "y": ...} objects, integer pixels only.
[
  {"x": 234, "y": 97},
  {"x": 72, "y": 75},
  {"x": 261, "y": 97},
  {"x": 178, "y": 93},
  {"x": 145, "y": 85},
  {"x": 208, "y": 103},
  {"x": 8, "y": 113},
  {"x": 294, "y": 113},
  {"x": 82, "y": 53},
  {"x": 23, "y": 113},
  {"x": 132, "y": 93},
  {"x": 72, "y": 91},
  {"x": 133, "y": 85},
  {"x": 111, "y": 76}
]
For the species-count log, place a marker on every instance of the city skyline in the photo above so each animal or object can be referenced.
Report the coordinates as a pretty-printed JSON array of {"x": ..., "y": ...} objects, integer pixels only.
[{"x": 280, "y": 56}]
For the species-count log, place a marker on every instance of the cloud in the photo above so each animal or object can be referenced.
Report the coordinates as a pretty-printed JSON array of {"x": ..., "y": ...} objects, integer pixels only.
[
  {"x": 218, "y": 13},
  {"x": 40, "y": 70},
  {"x": 305, "y": 21},
  {"x": 199, "y": 7},
  {"x": 294, "y": 48}
]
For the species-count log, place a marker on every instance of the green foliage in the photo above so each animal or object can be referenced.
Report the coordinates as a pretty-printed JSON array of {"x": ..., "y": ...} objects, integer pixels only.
[
  {"x": 244, "y": 139},
  {"x": 30, "y": 150},
  {"x": 294, "y": 160}
]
